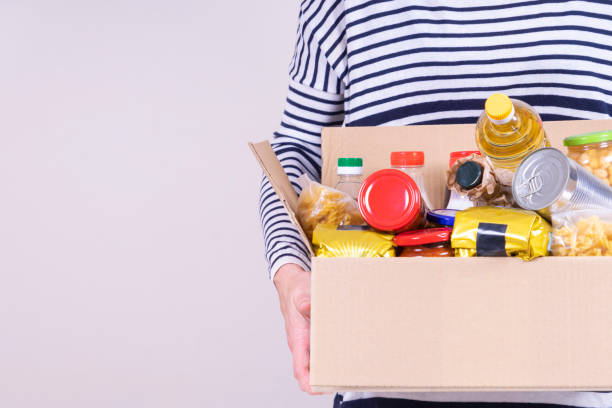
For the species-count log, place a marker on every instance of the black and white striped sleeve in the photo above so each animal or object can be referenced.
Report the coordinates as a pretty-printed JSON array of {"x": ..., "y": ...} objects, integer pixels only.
[{"x": 315, "y": 100}]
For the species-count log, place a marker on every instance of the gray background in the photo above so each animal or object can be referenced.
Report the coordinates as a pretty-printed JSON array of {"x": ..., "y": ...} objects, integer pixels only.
[{"x": 131, "y": 259}]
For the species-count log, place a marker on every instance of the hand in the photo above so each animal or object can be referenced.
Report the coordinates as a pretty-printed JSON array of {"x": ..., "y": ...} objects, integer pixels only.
[{"x": 293, "y": 286}]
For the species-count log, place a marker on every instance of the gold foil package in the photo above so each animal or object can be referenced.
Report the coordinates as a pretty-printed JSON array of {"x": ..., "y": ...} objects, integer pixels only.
[
  {"x": 493, "y": 231},
  {"x": 351, "y": 241}
]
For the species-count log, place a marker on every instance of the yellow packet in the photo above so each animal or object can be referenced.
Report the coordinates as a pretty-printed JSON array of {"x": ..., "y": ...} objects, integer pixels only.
[
  {"x": 351, "y": 241},
  {"x": 493, "y": 231}
]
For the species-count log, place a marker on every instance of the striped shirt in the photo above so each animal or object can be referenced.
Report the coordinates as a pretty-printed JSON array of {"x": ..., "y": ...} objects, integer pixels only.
[{"x": 402, "y": 62}]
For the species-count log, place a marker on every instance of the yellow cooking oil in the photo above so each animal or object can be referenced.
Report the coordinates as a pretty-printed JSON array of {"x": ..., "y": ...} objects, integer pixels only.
[{"x": 508, "y": 130}]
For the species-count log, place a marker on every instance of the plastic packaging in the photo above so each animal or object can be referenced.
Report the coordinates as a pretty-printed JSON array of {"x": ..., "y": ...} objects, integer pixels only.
[
  {"x": 319, "y": 204},
  {"x": 389, "y": 200},
  {"x": 432, "y": 242},
  {"x": 412, "y": 163},
  {"x": 582, "y": 233},
  {"x": 548, "y": 182},
  {"x": 453, "y": 199},
  {"x": 593, "y": 151},
  {"x": 350, "y": 170},
  {"x": 493, "y": 231},
  {"x": 508, "y": 130},
  {"x": 351, "y": 241}
]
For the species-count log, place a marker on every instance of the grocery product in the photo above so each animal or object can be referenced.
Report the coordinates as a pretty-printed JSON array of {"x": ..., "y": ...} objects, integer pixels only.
[
  {"x": 318, "y": 204},
  {"x": 582, "y": 233},
  {"x": 453, "y": 199},
  {"x": 432, "y": 242},
  {"x": 389, "y": 200},
  {"x": 547, "y": 181},
  {"x": 412, "y": 163},
  {"x": 508, "y": 130},
  {"x": 350, "y": 170},
  {"x": 593, "y": 151},
  {"x": 351, "y": 241},
  {"x": 444, "y": 217},
  {"x": 494, "y": 231},
  {"x": 477, "y": 178}
]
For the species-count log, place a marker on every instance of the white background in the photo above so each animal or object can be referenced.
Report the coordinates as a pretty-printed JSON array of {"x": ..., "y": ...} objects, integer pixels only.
[{"x": 131, "y": 259}]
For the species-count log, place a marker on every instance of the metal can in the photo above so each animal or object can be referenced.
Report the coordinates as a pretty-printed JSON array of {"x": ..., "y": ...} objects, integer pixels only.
[{"x": 547, "y": 181}]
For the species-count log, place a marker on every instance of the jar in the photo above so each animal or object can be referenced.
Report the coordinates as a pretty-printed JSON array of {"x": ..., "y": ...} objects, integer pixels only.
[
  {"x": 349, "y": 173},
  {"x": 433, "y": 242},
  {"x": 412, "y": 163},
  {"x": 442, "y": 218},
  {"x": 593, "y": 151},
  {"x": 389, "y": 200}
]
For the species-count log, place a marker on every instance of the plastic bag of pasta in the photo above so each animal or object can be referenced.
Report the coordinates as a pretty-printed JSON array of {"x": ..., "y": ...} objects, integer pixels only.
[
  {"x": 351, "y": 241},
  {"x": 494, "y": 231},
  {"x": 582, "y": 233},
  {"x": 319, "y": 204}
]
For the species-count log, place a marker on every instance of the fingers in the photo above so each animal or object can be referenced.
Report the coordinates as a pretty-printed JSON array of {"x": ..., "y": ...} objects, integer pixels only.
[{"x": 301, "y": 365}]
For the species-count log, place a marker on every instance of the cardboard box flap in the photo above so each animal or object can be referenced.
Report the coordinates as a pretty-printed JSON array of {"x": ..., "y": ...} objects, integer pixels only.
[{"x": 275, "y": 173}]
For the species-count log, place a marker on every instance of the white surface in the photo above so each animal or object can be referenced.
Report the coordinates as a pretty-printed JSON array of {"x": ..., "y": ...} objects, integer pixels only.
[{"x": 131, "y": 261}]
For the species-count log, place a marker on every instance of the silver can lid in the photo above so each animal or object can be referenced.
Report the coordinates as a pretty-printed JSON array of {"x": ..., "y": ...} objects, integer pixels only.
[{"x": 540, "y": 179}]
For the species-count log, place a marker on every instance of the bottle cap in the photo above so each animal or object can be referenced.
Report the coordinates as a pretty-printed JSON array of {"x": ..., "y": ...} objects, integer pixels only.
[
  {"x": 443, "y": 216},
  {"x": 588, "y": 138},
  {"x": 454, "y": 156},
  {"x": 499, "y": 108},
  {"x": 389, "y": 200},
  {"x": 423, "y": 237},
  {"x": 407, "y": 158},
  {"x": 469, "y": 175},
  {"x": 350, "y": 166}
]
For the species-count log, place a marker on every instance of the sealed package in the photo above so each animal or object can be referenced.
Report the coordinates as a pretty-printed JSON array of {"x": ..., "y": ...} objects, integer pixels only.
[
  {"x": 351, "y": 241},
  {"x": 319, "y": 204},
  {"x": 493, "y": 231},
  {"x": 582, "y": 233}
]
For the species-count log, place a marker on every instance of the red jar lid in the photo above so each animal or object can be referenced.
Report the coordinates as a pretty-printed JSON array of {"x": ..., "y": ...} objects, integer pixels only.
[
  {"x": 454, "y": 156},
  {"x": 389, "y": 200},
  {"x": 407, "y": 159},
  {"x": 422, "y": 237}
]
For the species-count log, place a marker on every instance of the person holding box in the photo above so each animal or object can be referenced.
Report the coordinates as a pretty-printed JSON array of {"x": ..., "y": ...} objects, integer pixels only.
[{"x": 384, "y": 63}]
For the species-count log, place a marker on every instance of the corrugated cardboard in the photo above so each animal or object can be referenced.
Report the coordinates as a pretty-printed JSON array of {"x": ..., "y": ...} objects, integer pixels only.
[{"x": 427, "y": 324}]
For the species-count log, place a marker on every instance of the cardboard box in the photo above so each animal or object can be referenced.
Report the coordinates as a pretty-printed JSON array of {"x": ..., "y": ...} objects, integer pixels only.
[{"x": 448, "y": 324}]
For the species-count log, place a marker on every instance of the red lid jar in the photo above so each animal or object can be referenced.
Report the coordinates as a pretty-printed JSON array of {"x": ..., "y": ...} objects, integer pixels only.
[
  {"x": 433, "y": 242},
  {"x": 389, "y": 200},
  {"x": 454, "y": 156}
]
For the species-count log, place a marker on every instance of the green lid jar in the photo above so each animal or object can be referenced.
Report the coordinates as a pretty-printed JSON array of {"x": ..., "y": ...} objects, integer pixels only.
[{"x": 593, "y": 151}]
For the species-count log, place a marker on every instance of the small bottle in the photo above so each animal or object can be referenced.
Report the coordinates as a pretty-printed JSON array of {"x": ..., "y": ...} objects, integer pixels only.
[
  {"x": 508, "y": 130},
  {"x": 469, "y": 175},
  {"x": 453, "y": 199},
  {"x": 350, "y": 170},
  {"x": 412, "y": 164}
]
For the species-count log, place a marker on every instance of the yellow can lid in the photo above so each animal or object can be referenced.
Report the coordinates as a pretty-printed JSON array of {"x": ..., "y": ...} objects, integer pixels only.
[{"x": 498, "y": 106}]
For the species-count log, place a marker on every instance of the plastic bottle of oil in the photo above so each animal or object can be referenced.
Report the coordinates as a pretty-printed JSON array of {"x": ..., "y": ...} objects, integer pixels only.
[{"x": 508, "y": 130}]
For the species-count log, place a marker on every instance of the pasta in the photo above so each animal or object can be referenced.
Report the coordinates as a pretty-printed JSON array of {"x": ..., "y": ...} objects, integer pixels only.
[
  {"x": 319, "y": 204},
  {"x": 582, "y": 233}
]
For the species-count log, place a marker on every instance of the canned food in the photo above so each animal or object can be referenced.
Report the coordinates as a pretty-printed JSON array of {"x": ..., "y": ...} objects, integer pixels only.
[
  {"x": 389, "y": 200},
  {"x": 547, "y": 181},
  {"x": 593, "y": 151}
]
